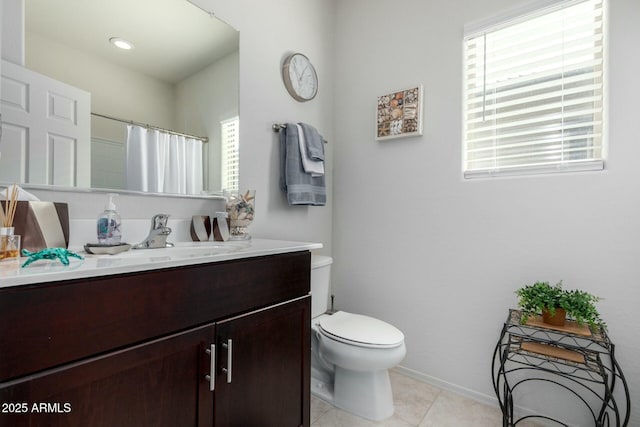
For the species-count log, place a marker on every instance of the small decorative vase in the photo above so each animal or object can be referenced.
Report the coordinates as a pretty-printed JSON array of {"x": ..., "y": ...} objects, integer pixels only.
[
  {"x": 9, "y": 244},
  {"x": 200, "y": 228},
  {"x": 240, "y": 208},
  {"x": 556, "y": 320}
]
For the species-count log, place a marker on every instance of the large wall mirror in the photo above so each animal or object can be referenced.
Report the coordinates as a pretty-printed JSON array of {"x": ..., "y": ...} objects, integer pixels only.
[{"x": 180, "y": 79}]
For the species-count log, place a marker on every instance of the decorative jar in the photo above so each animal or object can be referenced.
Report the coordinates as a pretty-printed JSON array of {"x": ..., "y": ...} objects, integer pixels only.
[
  {"x": 240, "y": 208},
  {"x": 9, "y": 244}
]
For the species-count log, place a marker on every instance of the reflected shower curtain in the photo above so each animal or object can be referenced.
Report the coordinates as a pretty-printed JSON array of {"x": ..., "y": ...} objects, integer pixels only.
[{"x": 159, "y": 162}]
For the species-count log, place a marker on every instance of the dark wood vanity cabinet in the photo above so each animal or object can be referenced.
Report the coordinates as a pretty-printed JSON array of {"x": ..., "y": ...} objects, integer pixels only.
[{"x": 136, "y": 349}]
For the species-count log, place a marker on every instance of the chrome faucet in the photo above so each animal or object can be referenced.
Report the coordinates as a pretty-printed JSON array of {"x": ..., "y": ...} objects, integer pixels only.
[{"x": 157, "y": 237}]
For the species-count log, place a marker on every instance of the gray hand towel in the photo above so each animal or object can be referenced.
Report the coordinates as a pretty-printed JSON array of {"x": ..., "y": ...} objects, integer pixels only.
[
  {"x": 315, "y": 142},
  {"x": 301, "y": 188}
]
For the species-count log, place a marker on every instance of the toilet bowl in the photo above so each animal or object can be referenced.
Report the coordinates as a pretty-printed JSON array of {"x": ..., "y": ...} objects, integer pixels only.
[{"x": 351, "y": 354}]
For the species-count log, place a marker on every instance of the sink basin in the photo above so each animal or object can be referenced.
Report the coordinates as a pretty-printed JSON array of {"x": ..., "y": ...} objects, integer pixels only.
[{"x": 185, "y": 250}]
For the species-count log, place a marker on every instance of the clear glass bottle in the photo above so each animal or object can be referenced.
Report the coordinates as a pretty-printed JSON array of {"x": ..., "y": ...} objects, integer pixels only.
[{"x": 109, "y": 223}]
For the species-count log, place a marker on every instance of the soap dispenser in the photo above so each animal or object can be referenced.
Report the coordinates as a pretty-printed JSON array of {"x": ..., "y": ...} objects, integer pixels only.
[{"x": 109, "y": 224}]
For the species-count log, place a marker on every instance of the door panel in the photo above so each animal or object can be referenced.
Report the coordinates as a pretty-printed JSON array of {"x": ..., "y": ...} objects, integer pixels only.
[
  {"x": 55, "y": 129},
  {"x": 269, "y": 368}
]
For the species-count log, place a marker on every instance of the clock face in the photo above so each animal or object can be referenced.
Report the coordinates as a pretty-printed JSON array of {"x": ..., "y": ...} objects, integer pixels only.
[{"x": 300, "y": 77}]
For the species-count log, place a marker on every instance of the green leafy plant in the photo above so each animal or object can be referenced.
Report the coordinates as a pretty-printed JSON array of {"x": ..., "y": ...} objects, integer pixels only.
[{"x": 579, "y": 305}]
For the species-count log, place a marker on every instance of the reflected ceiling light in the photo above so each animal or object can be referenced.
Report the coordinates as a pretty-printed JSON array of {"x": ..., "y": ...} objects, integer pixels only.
[{"x": 121, "y": 43}]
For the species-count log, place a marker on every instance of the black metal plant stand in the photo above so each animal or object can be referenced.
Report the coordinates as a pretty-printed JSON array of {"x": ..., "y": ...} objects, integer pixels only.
[{"x": 577, "y": 359}]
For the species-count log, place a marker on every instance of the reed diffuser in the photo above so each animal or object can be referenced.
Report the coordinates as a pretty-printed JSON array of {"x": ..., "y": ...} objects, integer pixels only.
[{"x": 9, "y": 242}]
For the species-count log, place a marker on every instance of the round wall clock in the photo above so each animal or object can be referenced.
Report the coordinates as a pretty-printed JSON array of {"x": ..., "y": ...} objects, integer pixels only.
[{"x": 300, "y": 77}]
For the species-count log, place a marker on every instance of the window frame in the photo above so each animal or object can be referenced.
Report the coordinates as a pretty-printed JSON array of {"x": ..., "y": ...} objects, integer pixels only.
[{"x": 508, "y": 19}]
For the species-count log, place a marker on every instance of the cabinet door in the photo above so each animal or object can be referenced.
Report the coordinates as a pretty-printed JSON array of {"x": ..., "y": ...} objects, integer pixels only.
[
  {"x": 263, "y": 367},
  {"x": 156, "y": 384}
]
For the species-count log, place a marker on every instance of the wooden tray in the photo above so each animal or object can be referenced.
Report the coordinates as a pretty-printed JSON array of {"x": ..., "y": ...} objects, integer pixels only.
[
  {"x": 570, "y": 326},
  {"x": 557, "y": 352}
]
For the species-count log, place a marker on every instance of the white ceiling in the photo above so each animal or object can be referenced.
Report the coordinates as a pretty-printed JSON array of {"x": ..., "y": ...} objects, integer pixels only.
[{"x": 172, "y": 38}]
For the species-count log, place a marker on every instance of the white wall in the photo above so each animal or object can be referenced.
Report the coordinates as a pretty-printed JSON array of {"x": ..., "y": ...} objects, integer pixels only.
[
  {"x": 205, "y": 99},
  {"x": 267, "y": 34},
  {"x": 440, "y": 257}
]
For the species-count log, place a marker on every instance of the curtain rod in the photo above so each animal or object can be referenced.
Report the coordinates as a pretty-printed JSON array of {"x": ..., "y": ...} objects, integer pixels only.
[{"x": 131, "y": 122}]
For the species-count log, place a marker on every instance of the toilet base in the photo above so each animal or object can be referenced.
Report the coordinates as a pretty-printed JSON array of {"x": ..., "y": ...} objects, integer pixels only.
[
  {"x": 321, "y": 387},
  {"x": 363, "y": 393}
]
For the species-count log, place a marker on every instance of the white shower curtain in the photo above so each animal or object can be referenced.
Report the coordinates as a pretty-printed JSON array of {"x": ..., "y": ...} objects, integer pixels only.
[{"x": 160, "y": 162}]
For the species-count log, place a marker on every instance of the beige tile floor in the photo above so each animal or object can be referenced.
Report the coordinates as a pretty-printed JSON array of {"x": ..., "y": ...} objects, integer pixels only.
[{"x": 417, "y": 404}]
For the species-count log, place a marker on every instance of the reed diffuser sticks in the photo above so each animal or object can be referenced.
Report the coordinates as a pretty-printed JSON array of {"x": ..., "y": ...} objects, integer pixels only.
[
  {"x": 9, "y": 243},
  {"x": 10, "y": 206}
]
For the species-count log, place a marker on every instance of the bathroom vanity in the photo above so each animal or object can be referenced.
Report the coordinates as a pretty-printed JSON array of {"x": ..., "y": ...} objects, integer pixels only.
[{"x": 217, "y": 340}]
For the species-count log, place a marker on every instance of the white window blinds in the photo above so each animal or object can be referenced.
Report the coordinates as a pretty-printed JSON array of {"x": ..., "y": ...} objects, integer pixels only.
[
  {"x": 533, "y": 93},
  {"x": 230, "y": 153}
]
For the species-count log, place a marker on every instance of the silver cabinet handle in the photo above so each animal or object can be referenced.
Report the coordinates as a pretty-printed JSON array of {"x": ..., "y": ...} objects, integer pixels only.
[
  {"x": 212, "y": 367},
  {"x": 229, "y": 346}
]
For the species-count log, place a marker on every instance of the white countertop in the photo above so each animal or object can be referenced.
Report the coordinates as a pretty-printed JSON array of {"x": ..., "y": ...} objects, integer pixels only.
[{"x": 188, "y": 253}]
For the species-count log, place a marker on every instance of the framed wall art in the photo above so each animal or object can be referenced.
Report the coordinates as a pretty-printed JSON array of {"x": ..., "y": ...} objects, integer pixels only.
[{"x": 399, "y": 114}]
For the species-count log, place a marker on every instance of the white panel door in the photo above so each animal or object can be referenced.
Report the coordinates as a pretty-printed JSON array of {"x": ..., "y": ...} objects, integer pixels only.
[{"x": 46, "y": 130}]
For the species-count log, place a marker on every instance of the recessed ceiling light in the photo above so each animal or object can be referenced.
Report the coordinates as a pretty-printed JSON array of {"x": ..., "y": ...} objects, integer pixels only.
[{"x": 121, "y": 43}]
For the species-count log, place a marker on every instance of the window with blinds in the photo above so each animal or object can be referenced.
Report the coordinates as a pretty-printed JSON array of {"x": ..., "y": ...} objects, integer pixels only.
[
  {"x": 533, "y": 92},
  {"x": 230, "y": 153}
]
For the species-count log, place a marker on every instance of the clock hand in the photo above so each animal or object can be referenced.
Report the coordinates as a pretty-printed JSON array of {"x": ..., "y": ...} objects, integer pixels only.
[
  {"x": 295, "y": 69},
  {"x": 301, "y": 76}
]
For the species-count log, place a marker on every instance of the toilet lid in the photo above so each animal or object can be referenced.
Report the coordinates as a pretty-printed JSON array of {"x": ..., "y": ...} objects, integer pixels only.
[{"x": 360, "y": 330}]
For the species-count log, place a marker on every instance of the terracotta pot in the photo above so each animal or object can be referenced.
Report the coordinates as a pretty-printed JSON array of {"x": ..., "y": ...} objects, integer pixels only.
[{"x": 557, "y": 319}]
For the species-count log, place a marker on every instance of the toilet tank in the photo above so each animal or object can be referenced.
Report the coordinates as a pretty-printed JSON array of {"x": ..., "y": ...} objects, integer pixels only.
[{"x": 320, "y": 284}]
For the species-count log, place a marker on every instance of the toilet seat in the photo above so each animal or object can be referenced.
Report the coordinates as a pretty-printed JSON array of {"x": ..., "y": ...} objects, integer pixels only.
[{"x": 359, "y": 330}]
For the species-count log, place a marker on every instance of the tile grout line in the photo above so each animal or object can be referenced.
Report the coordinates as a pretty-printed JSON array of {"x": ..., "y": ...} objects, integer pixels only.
[{"x": 429, "y": 408}]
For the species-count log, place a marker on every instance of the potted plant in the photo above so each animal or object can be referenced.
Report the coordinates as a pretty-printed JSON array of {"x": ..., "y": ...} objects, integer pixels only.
[{"x": 555, "y": 303}]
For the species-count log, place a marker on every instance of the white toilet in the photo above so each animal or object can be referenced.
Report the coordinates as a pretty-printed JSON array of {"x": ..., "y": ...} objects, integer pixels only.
[{"x": 350, "y": 353}]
